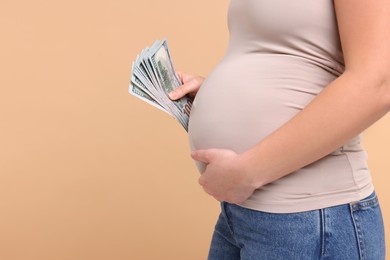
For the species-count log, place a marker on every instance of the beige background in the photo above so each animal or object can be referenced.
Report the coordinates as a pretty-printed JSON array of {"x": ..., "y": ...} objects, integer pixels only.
[{"x": 88, "y": 172}]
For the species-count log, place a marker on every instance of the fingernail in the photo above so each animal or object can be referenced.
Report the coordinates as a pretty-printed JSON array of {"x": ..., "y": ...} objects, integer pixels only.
[{"x": 173, "y": 95}]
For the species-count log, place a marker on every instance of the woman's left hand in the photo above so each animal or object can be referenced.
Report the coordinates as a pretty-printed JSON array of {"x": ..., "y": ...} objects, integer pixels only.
[{"x": 225, "y": 177}]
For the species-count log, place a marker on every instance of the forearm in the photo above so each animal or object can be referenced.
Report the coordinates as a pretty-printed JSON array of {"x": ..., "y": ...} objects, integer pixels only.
[{"x": 341, "y": 111}]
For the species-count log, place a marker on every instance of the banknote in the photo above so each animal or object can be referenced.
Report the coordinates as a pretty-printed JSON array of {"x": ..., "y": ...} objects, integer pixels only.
[{"x": 154, "y": 77}]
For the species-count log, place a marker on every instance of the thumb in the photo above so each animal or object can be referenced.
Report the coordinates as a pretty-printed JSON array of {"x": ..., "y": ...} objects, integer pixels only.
[
  {"x": 184, "y": 89},
  {"x": 204, "y": 156}
]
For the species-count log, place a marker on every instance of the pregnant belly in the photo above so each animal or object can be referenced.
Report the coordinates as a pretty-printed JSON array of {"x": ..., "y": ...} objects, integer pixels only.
[{"x": 245, "y": 99}]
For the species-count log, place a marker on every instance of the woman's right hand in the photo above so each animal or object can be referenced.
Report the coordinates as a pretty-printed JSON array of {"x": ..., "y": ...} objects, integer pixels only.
[{"x": 191, "y": 85}]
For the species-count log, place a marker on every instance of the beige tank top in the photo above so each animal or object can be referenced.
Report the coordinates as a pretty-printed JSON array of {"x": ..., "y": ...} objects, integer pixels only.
[{"x": 281, "y": 54}]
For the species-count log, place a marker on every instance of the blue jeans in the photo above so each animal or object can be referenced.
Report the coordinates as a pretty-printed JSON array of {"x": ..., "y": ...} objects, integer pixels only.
[{"x": 350, "y": 231}]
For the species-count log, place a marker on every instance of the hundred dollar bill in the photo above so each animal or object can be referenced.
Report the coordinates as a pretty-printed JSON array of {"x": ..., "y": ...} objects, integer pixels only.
[
  {"x": 166, "y": 75},
  {"x": 138, "y": 89},
  {"x": 141, "y": 94},
  {"x": 154, "y": 77}
]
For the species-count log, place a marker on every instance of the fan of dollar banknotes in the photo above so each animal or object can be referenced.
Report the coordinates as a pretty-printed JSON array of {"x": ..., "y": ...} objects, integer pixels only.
[{"x": 153, "y": 77}]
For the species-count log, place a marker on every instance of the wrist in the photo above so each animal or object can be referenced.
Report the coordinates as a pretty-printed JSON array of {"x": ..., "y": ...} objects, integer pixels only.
[{"x": 252, "y": 168}]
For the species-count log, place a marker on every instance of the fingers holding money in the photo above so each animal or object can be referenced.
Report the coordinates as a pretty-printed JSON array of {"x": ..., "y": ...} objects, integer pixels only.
[
  {"x": 191, "y": 85},
  {"x": 153, "y": 76}
]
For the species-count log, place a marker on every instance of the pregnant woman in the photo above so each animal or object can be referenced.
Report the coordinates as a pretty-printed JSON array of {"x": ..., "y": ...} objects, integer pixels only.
[{"x": 275, "y": 129}]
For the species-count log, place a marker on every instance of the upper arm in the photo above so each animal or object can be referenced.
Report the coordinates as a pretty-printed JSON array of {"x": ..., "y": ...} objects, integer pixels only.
[{"x": 364, "y": 27}]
